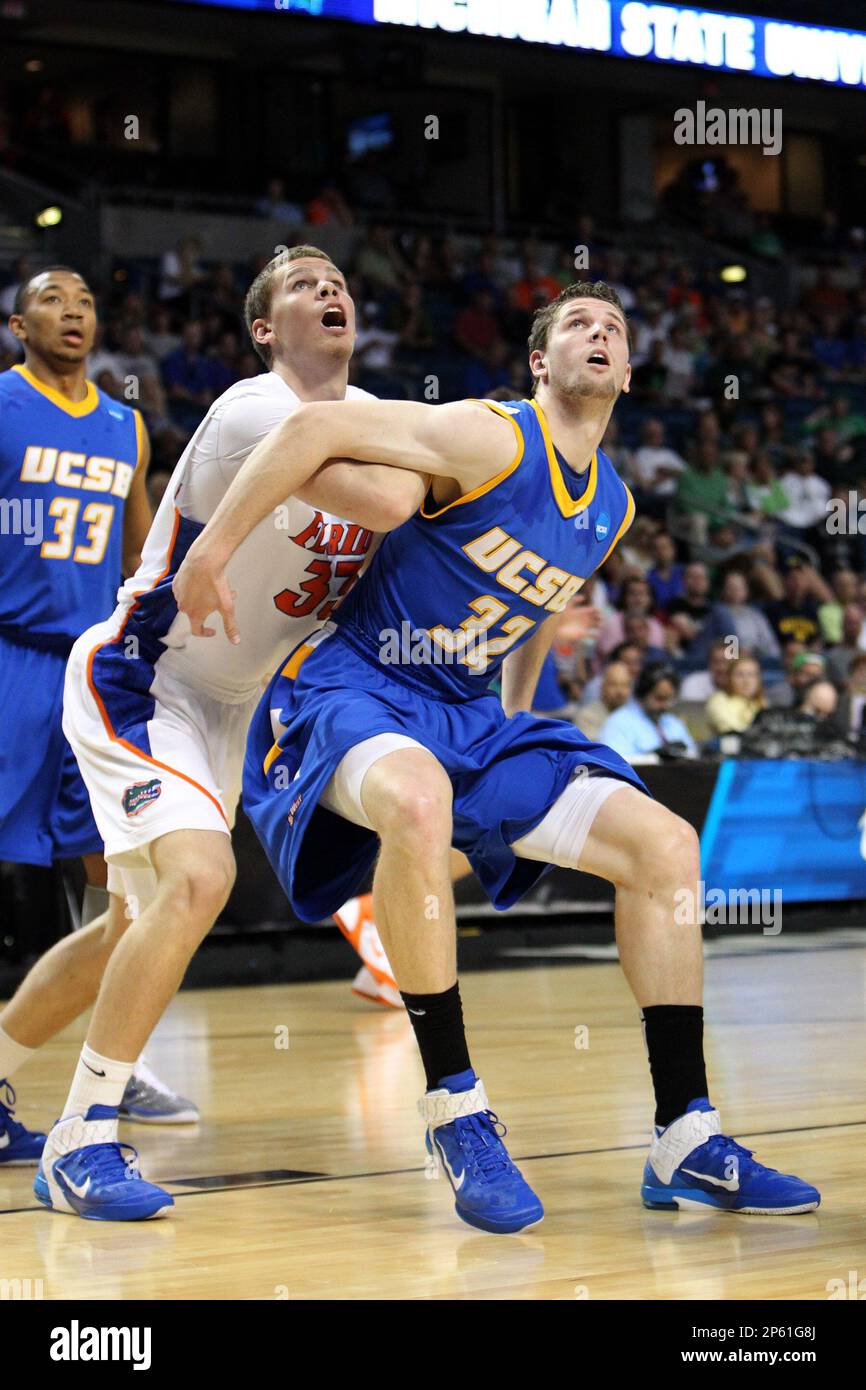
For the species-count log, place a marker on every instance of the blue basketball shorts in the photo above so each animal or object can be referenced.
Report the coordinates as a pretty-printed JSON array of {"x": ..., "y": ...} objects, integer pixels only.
[
  {"x": 45, "y": 811},
  {"x": 506, "y": 774}
]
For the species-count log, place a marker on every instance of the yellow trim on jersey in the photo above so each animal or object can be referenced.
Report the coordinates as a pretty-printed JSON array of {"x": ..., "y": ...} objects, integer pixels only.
[
  {"x": 492, "y": 482},
  {"x": 139, "y": 436},
  {"x": 272, "y": 755},
  {"x": 75, "y": 408},
  {"x": 291, "y": 669},
  {"x": 564, "y": 500},
  {"x": 624, "y": 525},
  {"x": 297, "y": 659}
]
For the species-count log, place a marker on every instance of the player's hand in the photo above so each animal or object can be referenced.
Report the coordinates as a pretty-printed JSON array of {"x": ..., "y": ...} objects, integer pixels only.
[
  {"x": 579, "y": 621},
  {"x": 200, "y": 588}
]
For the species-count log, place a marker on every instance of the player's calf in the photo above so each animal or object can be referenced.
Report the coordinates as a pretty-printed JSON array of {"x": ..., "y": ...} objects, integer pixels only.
[
  {"x": 653, "y": 858},
  {"x": 194, "y": 876},
  {"x": 194, "y": 879}
]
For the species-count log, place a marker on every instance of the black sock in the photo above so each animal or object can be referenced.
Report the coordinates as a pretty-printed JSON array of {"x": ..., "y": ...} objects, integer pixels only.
[
  {"x": 438, "y": 1023},
  {"x": 674, "y": 1035}
]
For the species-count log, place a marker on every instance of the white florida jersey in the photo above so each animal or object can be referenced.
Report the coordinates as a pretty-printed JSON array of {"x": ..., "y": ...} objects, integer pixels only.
[{"x": 288, "y": 575}]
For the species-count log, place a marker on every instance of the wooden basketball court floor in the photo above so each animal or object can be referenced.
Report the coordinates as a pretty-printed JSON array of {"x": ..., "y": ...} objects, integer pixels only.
[{"x": 305, "y": 1178}]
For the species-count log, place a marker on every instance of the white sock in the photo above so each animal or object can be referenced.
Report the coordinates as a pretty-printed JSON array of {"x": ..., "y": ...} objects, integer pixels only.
[
  {"x": 97, "y": 1081},
  {"x": 12, "y": 1055}
]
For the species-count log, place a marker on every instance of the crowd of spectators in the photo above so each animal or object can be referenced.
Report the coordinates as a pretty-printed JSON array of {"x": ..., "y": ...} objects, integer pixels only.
[{"x": 737, "y": 599}]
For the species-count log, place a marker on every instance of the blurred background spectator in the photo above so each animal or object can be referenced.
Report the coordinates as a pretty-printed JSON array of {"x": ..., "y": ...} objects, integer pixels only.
[
  {"x": 645, "y": 726},
  {"x": 734, "y": 708}
]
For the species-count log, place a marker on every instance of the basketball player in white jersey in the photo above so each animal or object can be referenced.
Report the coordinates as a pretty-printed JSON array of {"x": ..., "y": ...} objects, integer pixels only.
[{"x": 158, "y": 718}]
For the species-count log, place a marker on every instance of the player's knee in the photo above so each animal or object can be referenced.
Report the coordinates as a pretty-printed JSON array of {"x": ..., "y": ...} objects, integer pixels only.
[
  {"x": 419, "y": 814},
  {"x": 667, "y": 854},
  {"x": 198, "y": 891},
  {"x": 397, "y": 505},
  {"x": 415, "y": 806}
]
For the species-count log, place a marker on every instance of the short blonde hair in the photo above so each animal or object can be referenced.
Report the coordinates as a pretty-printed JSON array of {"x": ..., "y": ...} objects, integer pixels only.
[{"x": 257, "y": 304}]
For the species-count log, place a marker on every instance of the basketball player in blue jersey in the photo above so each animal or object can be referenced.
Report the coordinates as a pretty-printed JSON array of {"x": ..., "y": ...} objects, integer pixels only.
[
  {"x": 73, "y": 465},
  {"x": 380, "y": 736}
]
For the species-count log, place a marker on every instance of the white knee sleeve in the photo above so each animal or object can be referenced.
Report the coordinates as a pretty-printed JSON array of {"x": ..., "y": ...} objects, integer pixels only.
[
  {"x": 560, "y": 837},
  {"x": 342, "y": 794}
]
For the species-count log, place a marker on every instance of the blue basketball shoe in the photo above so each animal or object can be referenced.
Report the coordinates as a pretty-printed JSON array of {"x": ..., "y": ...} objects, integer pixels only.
[
  {"x": 18, "y": 1145},
  {"x": 85, "y": 1172},
  {"x": 463, "y": 1136},
  {"x": 692, "y": 1166}
]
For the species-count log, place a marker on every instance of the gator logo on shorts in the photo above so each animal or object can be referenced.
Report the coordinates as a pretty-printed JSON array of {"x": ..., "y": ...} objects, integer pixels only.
[{"x": 139, "y": 795}]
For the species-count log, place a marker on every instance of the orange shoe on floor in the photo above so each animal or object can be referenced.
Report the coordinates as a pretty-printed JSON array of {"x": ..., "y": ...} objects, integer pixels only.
[
  {"x": 366, "y": 986},
  {"x": 356, "y": 922}
]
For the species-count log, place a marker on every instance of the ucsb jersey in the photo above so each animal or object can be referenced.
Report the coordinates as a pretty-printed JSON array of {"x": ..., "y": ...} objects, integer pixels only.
[
  {"x": 65, "y": 472},
  {"x": 450, "y": 593}
]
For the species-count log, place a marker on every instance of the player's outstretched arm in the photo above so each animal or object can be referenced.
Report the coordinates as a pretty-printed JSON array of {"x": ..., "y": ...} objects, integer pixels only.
[{"x": 463, "y": 441}]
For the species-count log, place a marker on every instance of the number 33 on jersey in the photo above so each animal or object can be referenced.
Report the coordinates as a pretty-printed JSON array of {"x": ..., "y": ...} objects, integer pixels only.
[{"x": 65, "y": 472}]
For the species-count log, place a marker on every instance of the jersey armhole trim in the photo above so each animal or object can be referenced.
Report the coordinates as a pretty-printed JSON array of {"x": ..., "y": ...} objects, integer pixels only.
[
  {"x": 297, "y": 659},
  {"x": 139, "y": 437},
  {"x": 491, "y": 482},
  {"x": 623, "y": 527}
]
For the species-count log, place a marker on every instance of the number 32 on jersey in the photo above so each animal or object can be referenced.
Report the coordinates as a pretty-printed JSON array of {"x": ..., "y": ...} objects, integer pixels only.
[{"x": 524, "y": 573}]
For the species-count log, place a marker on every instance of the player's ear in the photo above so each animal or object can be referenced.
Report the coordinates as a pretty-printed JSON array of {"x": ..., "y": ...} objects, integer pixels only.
[
  {"x": 627, "y": 378},
  {"x": 262, "y": 331},
  {"x": 537, "y": 363},
  {"x": 16, "y": 326}
]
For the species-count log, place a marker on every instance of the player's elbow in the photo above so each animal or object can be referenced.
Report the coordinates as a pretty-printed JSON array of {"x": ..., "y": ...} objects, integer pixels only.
[
  {"x": 303, "y": 427},
  {"x": 380, "y": 498},
  {"x": 301, "y": 421},
  {"x": 400, "y": 500}
]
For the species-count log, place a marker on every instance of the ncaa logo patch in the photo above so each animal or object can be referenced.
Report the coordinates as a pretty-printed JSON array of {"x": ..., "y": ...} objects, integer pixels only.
[
  {"x": 602, "y": 526},
  {"x": 139, "y": 795}
]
